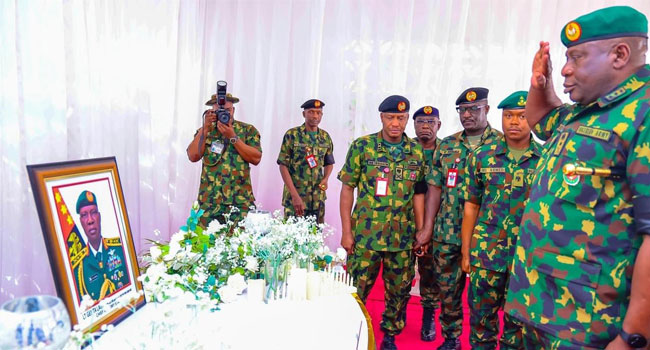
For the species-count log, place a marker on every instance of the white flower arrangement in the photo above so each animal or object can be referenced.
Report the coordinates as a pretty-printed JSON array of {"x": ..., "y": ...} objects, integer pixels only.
[{"x": 212, "y": 264}]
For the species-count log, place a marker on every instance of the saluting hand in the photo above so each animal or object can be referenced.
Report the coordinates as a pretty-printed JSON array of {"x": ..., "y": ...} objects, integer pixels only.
[{"x": 542, "y": 68}]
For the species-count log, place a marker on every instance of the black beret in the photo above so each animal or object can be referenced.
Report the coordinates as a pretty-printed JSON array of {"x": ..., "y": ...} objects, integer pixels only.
[
  {"x": 395, "y": 104},
  {"x": 313, "y": 103},
  {"x": 427, "y": 111},
  {"x": 472, "y": 94},
  {"x": 85, "y": 198}
]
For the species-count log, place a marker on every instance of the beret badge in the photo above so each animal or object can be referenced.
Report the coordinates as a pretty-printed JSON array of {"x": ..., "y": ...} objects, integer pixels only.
[
  {"x": 573, "y": 31},
  {"x": 428, "y": 110},
  {"x": 470, "y": 96},
  {"x": 401, "y": 106}
]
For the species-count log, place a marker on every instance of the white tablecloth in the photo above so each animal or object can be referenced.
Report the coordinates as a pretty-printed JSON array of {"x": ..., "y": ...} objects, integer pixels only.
[{"x": 331, "y": 322}]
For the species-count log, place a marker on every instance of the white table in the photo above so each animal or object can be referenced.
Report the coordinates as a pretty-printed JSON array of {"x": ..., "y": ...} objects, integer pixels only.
[{"x": 330, "y": 322}]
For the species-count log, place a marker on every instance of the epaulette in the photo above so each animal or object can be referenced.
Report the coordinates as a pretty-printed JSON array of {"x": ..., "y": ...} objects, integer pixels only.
[{"x": 112, "y": 242}]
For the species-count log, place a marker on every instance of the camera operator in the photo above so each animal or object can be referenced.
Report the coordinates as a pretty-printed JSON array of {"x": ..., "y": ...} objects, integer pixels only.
[{"x": 226, "y": 150}]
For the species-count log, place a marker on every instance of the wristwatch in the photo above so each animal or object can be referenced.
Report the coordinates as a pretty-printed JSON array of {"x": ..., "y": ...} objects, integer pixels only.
[
  {"x": 233, "y": 139},
  {"x": 634, "y": 340}
]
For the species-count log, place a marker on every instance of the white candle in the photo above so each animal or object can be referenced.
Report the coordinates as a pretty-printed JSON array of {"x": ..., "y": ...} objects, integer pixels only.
[{"x": 255, "y": 290}]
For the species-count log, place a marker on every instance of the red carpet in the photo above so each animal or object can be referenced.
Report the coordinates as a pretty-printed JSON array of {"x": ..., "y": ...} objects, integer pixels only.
[{"x": 410, "y": 336}]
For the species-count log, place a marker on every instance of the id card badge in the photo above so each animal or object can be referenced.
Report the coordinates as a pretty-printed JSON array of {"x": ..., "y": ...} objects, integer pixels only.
[
  {"x": 311, "y": 160},
  {"x": 452, "y": 177},
  {"x": 381, "y": 187},
  {"x": 216, "y": 147}
]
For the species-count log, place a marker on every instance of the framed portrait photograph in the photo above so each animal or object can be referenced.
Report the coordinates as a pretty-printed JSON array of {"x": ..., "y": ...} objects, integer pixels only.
[{"x": 88, "y": 239}]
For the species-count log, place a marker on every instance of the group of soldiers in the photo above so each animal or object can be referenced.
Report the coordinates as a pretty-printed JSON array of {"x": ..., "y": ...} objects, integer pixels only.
[{"x": 554, "y": 234}]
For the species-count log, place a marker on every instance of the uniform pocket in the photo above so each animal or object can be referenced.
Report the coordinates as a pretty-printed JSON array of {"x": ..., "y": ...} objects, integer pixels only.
[
  {"x": 568, "y": 290},
  {"x": 584, "y": 190}
]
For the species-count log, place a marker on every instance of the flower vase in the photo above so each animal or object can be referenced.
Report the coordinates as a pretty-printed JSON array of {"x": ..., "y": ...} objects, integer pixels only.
[{"x": 275, "y": 274}]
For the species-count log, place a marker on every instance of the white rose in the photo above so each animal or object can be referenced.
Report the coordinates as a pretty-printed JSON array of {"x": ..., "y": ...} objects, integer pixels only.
[
  {"x": 237, "y": 283},
  {"x": 251, "y": 263},
  {"x": 341, "y": 254},
  {"x": 155, "y": 252},
  {"x": 227, "y": 293}
]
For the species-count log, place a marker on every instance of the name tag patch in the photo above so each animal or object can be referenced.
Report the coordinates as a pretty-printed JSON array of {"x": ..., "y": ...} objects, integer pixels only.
[
  {"x": 594, "y": 133},
  {"x": 377, "y": 163},
  {"x": 492, "y": 170}
]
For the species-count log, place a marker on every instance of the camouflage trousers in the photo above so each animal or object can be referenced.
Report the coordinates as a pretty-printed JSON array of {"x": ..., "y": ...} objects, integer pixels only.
[
  {"x": 486, "y": 296},
  {"x": 429, "y": 288},
  {"x": 319, "y": 212},
  {"x": 398, "y": 273},
  {"x": 451, "y": 279},
  {"x": 537, "y": 339},
  {"x": 221, "y": 213}
]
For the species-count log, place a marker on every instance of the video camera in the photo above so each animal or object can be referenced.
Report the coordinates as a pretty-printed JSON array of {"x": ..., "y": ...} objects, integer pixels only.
[{"x": 223, "y": 115}]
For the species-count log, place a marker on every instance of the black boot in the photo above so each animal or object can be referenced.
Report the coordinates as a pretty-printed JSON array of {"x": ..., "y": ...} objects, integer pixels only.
[
  {"x": 388, "y": 343},
  {"x": 450, "y": 344},
  {"x": 428, "y": 331}
]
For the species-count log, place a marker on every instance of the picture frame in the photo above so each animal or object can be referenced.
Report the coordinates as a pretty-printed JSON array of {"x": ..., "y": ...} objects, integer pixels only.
[{"x": 88, "y": 238}]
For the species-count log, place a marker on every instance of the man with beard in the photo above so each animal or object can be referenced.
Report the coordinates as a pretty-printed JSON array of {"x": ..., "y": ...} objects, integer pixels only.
[
  {"x": 427, "y": 124},
  {"x": 446, "y": 188},
  {"x": 498, "y": 181},
  {"x": 227, "y": 151},
  {"x": 306, "y": 160},
  {"x": 384, "y": 168},
  {"x": 580, "y": 277}
]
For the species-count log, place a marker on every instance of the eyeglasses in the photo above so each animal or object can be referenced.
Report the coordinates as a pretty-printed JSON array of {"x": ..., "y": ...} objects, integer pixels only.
[
  {"x": 421, "y": 121},
  {"x": 472, "y": 110}
]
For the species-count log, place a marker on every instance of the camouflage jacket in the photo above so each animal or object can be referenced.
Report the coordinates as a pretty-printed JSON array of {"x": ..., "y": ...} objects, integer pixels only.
[
  {"x": 421, "y": 186},
  {"x": 578, "y": 242},
  {"x": 383, "y": 223},
  {"x": 296, "y": 146},
  {"x": 452, "y": 200},
  {"x": 225, "y": 178},
  {"x": 500, "y": 185}
]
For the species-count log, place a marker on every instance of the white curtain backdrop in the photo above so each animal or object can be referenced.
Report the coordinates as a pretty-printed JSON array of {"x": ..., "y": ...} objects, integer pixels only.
[{"x": 128, "y": 78}]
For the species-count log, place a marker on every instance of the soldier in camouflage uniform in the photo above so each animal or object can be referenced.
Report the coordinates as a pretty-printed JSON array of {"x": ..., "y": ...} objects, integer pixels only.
[
  {"x": 580, "y": 277},
  {"x": 446, "y": 189},
  {"x": 427, "y": 124},
  {"x": 384, "y": 168},
  {"x": 227, "y": 150},
  {"x": 306, "y": 160},
  {"x": 102, "y": 270},
  {"x": 498, "y": 178}
]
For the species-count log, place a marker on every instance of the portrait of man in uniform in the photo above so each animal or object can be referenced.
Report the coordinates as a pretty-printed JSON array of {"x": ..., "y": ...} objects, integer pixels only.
[{"x": 100, "y": 270}]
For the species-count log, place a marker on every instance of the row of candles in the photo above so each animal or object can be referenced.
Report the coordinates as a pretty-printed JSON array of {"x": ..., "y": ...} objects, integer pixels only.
[{"x": 303, "y": 285}]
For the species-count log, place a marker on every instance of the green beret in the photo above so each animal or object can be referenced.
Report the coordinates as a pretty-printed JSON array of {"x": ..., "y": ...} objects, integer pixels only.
[
  {"x": 313, "y": 103},
  {"x": 229, "y": 97},
  {"x": 516, "y": 100},
  {"x": 427, "y": 111},
  {"x": 395, "y": 104},
  {"x": 472, "y": 94},
  {"x": 86, "y": 198},
  {"x": 610, "y": 22}
]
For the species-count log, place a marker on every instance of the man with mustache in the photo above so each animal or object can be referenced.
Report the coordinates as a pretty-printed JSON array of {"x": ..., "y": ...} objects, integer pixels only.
[
  {"x": 580, "y": 277},
  {"x": 498, "y": 181},
  {"x": 384, "y": 168},
  {"x": 103, "y": 269},
  {"x": 446, "y": 189},
  {"x": 427, "y": 124},
  {"x": 306, "y": 160}
]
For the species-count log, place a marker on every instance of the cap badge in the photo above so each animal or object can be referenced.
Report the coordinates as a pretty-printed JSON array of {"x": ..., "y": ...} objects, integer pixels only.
[
  {"x": 470, "y": 96},
  {"x": 428, "y": 110},
  {"x": 521, "y": 102},
  {"x": 573, "y": 31},
  {"x": 401, "y": 106},
  {"x": 90, "y": 197},
  {"x": 316, "y": 103}
]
